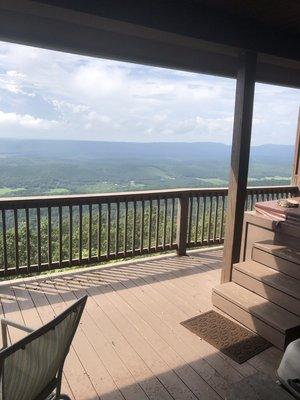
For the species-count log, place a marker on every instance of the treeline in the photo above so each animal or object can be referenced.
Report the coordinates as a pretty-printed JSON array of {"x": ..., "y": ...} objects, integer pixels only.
[{"x": 41, "y": 176}]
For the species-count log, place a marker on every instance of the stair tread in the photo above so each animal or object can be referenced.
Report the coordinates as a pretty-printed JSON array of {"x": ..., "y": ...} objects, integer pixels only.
[
  {"x": 271, "y": 277},
  {"x": 280, "y": 250},
  {"x": 270, "y": 313}
]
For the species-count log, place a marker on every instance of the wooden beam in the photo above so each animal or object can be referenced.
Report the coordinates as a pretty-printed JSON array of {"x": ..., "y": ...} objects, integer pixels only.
[
  {"x": 72, "y": 31},
  {"x": 209, "y": 21},
  {"x": 296, "y": 162},
  {"x": 240, "y": 152}
]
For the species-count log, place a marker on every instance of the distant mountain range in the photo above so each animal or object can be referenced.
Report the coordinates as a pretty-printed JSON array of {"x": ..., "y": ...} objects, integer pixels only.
[
  {"x": 37, "y": 167},
  {"x": 70, "y": 149}
]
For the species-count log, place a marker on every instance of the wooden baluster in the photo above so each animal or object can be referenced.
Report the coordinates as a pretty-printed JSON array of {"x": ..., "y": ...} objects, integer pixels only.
[
  {"x": 117, "y": 228},
  {"x": 157, "y": 224},
  {"x": 38, "y": 221},
  {"x": 60, "y": 235},
  {"x": 222, "y": 219},
  {"x": 90, "y": 236},
  {"x": 209, "y": 219},
  {"x": 108, "y": 230},
  {"x": 49, "y": 238},
  {"x": 172, "y": 222},
  {"x": 182, "y": 223},
  {"x": 203, "y": 219},
  {"x": 27, "y": 238},
  {"x": 197, "y": 220},
  {"x": 99, "y": 230},
  {"x": 142, "y": 226},
  {"x": 165, "y": 223},
  {"x": 190, "y": 219},
  {"x": 150, "y": 226},
  {"x": 16, "y": 229},
  {"x": 133, "y": 227},
  {"x": 126, "y": 227},
  {"x": 251, "y": 201},
  {"x": 70, "y": 235},
  {"x": 80, "y": 234},
  {"x": 216, "y": 218},
  {"x": 5, "y": 264}
]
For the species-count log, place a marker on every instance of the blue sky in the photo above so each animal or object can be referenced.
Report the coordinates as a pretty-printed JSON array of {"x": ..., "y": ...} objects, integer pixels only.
[{"x": 52, "y": 95}]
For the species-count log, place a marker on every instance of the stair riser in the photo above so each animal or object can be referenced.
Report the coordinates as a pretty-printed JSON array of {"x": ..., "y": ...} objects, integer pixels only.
[
  {"x": 251, "y": 322},
  {"x": 268, "y": 292},
  {"x": 277, "y": 263}
]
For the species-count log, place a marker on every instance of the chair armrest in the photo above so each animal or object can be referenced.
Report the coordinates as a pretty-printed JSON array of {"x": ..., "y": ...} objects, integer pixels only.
[{"x": 5, "y": 323}]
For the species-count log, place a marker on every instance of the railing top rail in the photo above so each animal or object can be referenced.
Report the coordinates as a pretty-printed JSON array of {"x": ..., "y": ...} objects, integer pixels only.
[
  {"x": 66, "y": 200},
  {"x": 51, "y": 201},
  {"x": 291, "y": 188}
]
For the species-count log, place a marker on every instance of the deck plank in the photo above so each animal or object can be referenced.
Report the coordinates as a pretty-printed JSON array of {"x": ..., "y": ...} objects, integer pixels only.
[
  {"x": 180, "y": 352},
  {"x": 180, "y": 288},
  {"x": 172, "y": 316},
  {"x": 49, "y": 304},
  {"x": 155, "y": 360},
  {"x": 130, "y": 344},
  {"x": 114, "y": 309}
]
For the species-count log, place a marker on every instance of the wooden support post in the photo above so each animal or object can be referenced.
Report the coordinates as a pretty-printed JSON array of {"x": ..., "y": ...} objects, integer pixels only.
[
  {"x": 240, "y": 152},
  {"x": 296, "y": 163},
  {"x": 182, "y": 223}
]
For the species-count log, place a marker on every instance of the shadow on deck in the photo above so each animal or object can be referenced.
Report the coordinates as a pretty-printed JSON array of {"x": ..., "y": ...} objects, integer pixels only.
[{"x": 130, "y": 344}]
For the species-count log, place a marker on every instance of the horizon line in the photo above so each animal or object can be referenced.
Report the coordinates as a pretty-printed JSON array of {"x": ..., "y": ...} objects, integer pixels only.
[{"x": 134, "y": 142}]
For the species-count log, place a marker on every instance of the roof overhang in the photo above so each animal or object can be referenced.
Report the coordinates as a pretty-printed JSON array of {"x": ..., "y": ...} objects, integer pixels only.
[{"x": 65, "y": 29}]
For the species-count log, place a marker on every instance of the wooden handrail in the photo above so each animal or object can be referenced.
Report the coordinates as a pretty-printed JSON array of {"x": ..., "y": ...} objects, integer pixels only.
[
  {"x": 10, "y": 203},
  {"x": 38, "y": 233}
]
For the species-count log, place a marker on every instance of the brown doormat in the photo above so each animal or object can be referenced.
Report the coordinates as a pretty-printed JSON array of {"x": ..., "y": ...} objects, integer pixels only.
[{"x": 230, "y": 338}]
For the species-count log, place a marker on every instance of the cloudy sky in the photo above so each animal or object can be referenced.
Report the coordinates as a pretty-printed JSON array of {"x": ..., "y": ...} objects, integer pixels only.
[{"x": 52, "y": 95}]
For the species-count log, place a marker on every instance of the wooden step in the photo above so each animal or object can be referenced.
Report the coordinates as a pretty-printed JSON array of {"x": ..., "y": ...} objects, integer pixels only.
[
  {"x": 269, "y": 283},
  {"x": 277, "y": 256},
  {"x": 270, "y": 321}
]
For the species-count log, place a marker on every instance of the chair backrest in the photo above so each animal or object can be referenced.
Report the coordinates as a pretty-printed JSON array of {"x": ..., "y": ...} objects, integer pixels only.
[{"x": 31, "y": 366}]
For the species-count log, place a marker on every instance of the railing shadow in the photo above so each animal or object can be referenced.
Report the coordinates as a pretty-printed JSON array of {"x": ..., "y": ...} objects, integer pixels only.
[
  {"x": 180, "y": 380},
  {"x": 109, "y": 278}
]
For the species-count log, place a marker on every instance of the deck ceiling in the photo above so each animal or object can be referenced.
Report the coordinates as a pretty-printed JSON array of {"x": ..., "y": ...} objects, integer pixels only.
[{"x": 196, "y": 35}]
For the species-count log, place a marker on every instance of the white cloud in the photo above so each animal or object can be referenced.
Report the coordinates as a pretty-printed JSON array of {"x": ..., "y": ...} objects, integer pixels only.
[
  {"x": 215, "y": 124},
  {"x": 15, "y": 74},
  {"x": 25, "y": 121},
  {"x": 63, "y": 106},
  {"x": 93, "y": 116},
  {"x": 12, "y": 81},
  {"x": 86, "y": 98}
]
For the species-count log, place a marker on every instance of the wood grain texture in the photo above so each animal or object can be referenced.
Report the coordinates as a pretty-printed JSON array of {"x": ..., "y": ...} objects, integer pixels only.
[
  {"x": 130, "y": 344},
  {"x": 240, "y": 152}
]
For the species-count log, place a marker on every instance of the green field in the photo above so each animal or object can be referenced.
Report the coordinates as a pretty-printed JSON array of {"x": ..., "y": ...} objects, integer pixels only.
[
  {"x": 70, "y": 167},
  {"x": 6, "y": 191}
]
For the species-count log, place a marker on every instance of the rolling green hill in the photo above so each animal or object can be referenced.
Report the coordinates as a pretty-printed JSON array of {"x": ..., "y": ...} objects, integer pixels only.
[{"x": 37, "y": 167}]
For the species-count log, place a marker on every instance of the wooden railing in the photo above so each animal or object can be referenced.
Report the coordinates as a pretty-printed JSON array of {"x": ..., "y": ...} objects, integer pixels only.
[{"x": 40, "y": 233}]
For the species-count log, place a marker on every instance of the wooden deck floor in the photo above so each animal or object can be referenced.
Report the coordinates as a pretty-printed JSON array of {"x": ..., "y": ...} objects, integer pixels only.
[{"x": 130, "y": 344}]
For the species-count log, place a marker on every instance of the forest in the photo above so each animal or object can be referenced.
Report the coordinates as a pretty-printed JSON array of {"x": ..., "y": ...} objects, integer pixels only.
[{"x": 37, "y": 167}]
